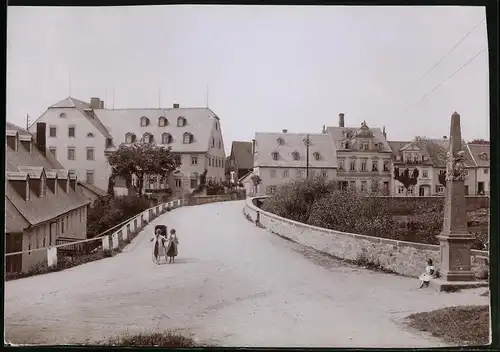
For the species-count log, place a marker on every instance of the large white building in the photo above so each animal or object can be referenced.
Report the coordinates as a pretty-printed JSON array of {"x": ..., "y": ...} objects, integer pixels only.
[
  {"x": 80, "y": 134},
  {"x": 281, "y": 157}
]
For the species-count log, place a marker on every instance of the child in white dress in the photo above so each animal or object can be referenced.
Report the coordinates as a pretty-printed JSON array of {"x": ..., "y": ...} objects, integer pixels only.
[{"x": 430, "y": 273}]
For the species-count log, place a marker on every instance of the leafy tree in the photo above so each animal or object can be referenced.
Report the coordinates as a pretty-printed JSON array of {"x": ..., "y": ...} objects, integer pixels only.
[
  {"x": 479, "y": 141},
  {"x": 141, "y": 160},
  {"x": 256, "y": 181},
  {"x": 406, "y": 178}
]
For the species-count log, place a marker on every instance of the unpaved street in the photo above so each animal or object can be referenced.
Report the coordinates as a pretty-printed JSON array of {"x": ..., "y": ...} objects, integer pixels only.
[{"x": 232, "y": 284}]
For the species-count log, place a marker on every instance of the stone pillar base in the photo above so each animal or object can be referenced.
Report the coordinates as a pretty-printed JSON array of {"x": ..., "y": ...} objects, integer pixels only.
[{"x": 456, "y": 262}]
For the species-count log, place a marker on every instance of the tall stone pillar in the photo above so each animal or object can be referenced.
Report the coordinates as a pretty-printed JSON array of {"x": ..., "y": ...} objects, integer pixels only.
[{"x": 455, "y": 240}]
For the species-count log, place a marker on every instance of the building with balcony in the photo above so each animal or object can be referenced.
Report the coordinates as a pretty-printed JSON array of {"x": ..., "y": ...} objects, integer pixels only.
[
  {"x": 283, "y": 157},
  {"x": 42, "y": 202},
  {"x": 429, "y": 157},
  {"x": 80, "y": 135},
  {"x": 363, "y": 157}
]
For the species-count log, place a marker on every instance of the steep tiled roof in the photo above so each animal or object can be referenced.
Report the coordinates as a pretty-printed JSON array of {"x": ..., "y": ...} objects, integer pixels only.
[
  {"x": 14, "y": 221},
  {"x": 199, "y": 122},
  {"x": 242, "y": 153},
  {"x": 70, "y": 102},
  {"x": 267, "y": 143},
  {"x": 93, "y": 189},
  {"x": 37, "y": 210},
  {"x": 435, "y": 149},
  {"x": 337, "y": 134},
  {"x": 476, "y": 150},
  {"x": 246, "y": 176}
]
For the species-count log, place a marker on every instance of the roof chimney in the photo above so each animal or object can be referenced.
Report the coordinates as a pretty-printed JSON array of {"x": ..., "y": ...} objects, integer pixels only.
[
  {"x": 285, "y": 131},
  {"x": 383, "y": 132},
  {"x": 341, "y": 119},
  {"x": 95, "y": 103},
  {"x": 176, "y": 106},
  {"x": 41, "y": 137},
  {"x": 101, "y": 104}
]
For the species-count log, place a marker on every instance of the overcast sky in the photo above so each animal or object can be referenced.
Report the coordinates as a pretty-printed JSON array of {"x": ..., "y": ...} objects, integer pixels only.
[{"x": 267, "y": 67}]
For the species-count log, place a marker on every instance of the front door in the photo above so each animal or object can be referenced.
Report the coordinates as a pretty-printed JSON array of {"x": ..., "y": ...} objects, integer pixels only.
[
  {"x": 421, "y": 191},
  {"x": 13, "y": 243},
  {"x": 466, "y": 190},
  {"x": 480, "y": 188}
]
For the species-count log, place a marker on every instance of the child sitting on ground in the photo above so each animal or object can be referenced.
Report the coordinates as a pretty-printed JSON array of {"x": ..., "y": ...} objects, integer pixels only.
[{"x": 430, "y": 273}]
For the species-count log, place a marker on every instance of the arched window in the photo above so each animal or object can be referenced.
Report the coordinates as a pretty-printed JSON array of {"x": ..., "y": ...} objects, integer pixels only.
[
  {"x": 144, "y": 121},
  {"x": 280, "y": 141},
  {"x": 317, "y": 156},
  {"x": 275, "y": 155},
  {"x": 181, "y": 121},
  {"x": 187, "y": 138},
  {"x": 130, "y": 138},
  {"x": 166, "y": 138},
  {"x": 90, "y": 135},
  {"x": 162, "y": 121},
  {"x": 147, "y": 138},
  {"x": 296, "y": 156}
]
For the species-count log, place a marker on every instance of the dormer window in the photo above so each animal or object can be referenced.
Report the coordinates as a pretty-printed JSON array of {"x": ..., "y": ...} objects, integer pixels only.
[
  {"x": 12, "y": 139},
  {"x": 364, "y": 145},
  {"x": 296, "y": 156},
  {"x": 483, "y": 156},
  {"x": 166, "y": 138},
  {"x": 90, "y": 135},
  {"x": 144, "y": 121},
  {"x": 130, "y": 138},
  {"x": 43, "y": 186},
  {"x": 275, "y": 155},
  {"x": 147, "y": 138},
  {"x": 317, "y": 156},
  {"x": 187, "y": 138},
  {"x": 280, "y": 141},
  {"x": 28, "y": 194},
  {"x": 181, "y": 121},
  {"x": 162, "y": 121}
]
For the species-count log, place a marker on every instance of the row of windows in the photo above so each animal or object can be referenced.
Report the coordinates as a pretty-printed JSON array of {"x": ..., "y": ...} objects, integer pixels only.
[
  {"x": 299, "y": 173},
  {"x": 296, "y": 155},
  {"x": 61, "y": 226},
  {"x": 163, "y": 121},
  {"x": 71, "y": 132},
  {"x": 364, "y": 165},
  {"x": 215, "y": 162},
  {"x": 166, "y": 138},
  {"x": 90, "y": 153}
]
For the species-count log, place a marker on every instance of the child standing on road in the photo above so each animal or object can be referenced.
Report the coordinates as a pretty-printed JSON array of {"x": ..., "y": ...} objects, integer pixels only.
[{"x": 172, "y": 246}]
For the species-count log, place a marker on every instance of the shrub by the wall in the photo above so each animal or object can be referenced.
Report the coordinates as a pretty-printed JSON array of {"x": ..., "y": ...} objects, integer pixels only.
[{"x": 110, "y": 211}]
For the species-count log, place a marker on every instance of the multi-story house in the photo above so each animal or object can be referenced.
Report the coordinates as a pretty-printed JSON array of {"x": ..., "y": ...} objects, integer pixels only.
[
  {"x": 480, "y": 155},
  {"x": 363, "y": 157},
  {"x": 193, "y": 134},
  {"x": 42, "y": 202},
  {"x": 429, "y": 157},
  {"x": 282, "y": 157},
  {"x": 240, "y": 161}
]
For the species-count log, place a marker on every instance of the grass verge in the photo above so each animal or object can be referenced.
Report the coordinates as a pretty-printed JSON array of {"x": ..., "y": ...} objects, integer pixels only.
[
  {"x": 168, "y": 339},
  {"x": 462, "y": 325}
]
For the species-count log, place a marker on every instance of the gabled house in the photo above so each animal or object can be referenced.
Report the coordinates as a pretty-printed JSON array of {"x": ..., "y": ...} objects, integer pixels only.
[
  {"x": 41, "y": 197},
  {"x": 480, "y": 154},
  {"x": 363, "y": 157},
  {"x": 429, "y": 157},
  {"x": 241, "y": 159},
  {"x": 283, "y": 157},
  {"x": 85, "y": 132}
]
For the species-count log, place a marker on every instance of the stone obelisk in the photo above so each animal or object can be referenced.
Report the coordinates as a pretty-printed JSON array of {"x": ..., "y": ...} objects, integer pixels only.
[{"x": 455, "y": 240}]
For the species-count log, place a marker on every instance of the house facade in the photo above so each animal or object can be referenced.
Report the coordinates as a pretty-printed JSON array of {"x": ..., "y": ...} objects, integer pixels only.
[
  {"x": 193, "y": 134},
  {"x": 42, "y": 201},
  {"x": 282, "y": 157},
  {"x": 429, "y": 157},
  {"x": 480, "y": 155},
  {"x": 363, "y": 157},
  {"x": 241, "y": 159}
]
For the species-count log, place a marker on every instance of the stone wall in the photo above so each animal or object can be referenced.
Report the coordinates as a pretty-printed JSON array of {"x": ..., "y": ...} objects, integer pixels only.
[
  {"x": 473, "y": 202},
  {"x": 405, "y": 258},
  {"x": 199, "y": 200}
]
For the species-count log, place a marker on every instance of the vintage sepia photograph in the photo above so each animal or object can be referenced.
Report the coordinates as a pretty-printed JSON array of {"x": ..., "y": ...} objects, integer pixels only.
[{"x": 247, "y": 176}]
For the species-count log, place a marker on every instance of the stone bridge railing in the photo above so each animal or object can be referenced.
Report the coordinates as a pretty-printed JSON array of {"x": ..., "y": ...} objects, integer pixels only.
[{"x": 405, "y": 258}]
